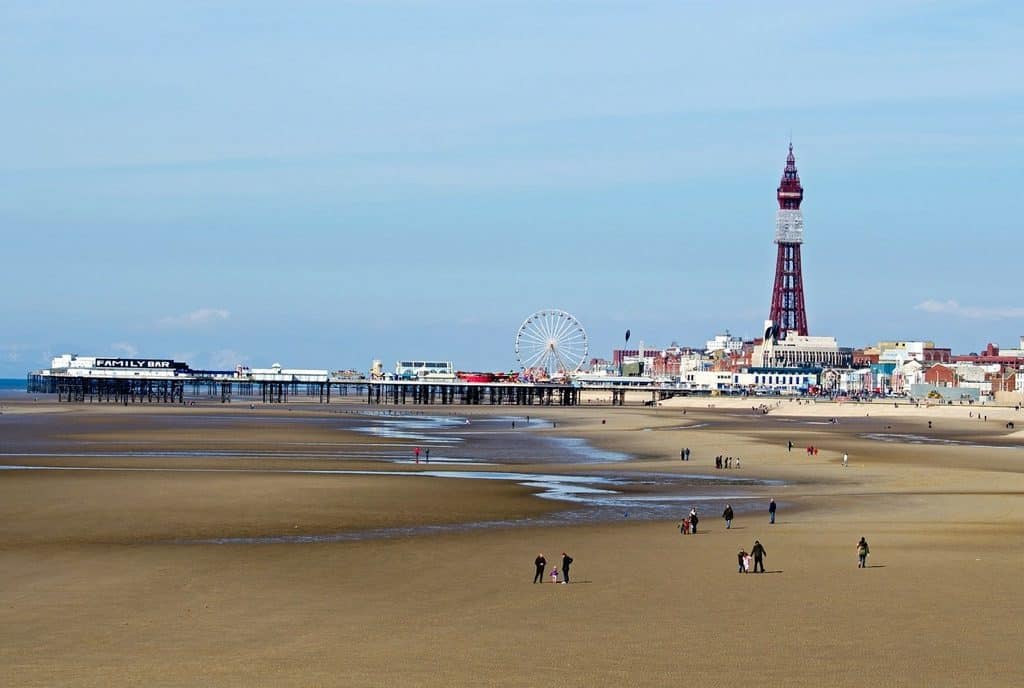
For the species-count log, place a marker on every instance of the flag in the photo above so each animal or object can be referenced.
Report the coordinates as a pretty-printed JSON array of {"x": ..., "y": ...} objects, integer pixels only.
[{"x": 627, "y": 335}]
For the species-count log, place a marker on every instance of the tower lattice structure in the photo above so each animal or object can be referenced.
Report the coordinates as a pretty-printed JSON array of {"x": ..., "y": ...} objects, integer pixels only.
[{"x": 788, "y": 313}]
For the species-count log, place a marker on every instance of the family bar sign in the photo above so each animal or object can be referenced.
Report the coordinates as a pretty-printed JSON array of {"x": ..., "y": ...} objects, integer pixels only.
[{"x": 146, "y": 363}]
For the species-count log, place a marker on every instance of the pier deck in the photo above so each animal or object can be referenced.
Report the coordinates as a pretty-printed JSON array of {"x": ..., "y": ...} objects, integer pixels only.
[{"x": 176, "y": 390}]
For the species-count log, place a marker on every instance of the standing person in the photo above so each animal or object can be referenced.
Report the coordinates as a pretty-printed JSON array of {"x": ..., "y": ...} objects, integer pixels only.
[
  {"x": 427, "y": 453},
  {"x": 687, "y": 453},
  {"x": 741, "y": 559},
  {"x": 682, "y": 455},
  {"x": 693, "y": 520},
  {"x": 554, "y": 575},
  {"x": 566, "y": 561},
  {"x": 759, "y": 554},
  {"x": 862, "y": 554},
  {"x": 416, "y": 453},
  {"x": 846, "y": 459},
  {"x": 727, "y": 515},
  {"x": 540, "y": 562},
  {"x": 771, "y": 511},
  {"x": 791, "y": 445}
]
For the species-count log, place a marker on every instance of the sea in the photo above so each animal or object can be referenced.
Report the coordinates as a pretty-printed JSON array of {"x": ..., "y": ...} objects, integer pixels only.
[{"x": 12, "y": 386}]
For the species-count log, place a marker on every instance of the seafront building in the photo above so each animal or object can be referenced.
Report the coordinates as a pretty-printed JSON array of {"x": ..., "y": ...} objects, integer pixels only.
[
  {"x": 800, "y": 351},
  {"x": 726, "y": 343}
]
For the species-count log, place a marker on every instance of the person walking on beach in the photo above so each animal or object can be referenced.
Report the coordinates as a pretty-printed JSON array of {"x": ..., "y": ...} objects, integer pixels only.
[
  {"x": 554, "y": 575},
  {"x": 741, "y": 560},
  {"x": 426, "y": 453},
  {"x": 791, "y": 445},
  {"x": 682, "y": 455},
  {"x": 540, "y": 562},
  {"x": 416, "y": 453},
  {"x": 759, "y": 554},
  {"x": 846, "y": 459},
  {"x": 687, "y": 453},
  {"x": 566, "y": 561},
  {"x": 771, "y": 511},
  {"x": 862, "y": 554},
  {"x": 727, "y": 515},
  {"x": 693, "y": 520}
]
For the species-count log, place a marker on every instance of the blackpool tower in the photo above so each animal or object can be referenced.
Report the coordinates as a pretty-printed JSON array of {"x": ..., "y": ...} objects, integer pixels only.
[{"x": 788, "y": 313}]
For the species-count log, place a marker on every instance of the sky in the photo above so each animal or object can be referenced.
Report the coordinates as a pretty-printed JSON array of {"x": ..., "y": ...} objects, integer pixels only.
[{"x": 322, "y": 184}]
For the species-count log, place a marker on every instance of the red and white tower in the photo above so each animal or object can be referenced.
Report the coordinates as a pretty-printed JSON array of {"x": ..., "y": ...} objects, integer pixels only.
[{"x": 788, "y": 313}]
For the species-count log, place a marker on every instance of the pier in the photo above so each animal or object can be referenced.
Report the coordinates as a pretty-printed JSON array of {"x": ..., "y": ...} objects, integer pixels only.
[
  {"x": 143, "y": 389},
  {"x": 127, "y": 381}
]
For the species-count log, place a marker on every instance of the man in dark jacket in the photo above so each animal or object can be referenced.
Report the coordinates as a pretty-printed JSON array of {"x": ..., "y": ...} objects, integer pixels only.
[
  {"x": 566, "y": 561},
  {"x": 771, "y": 511},
  {"x": 727, "y": 515},
  {"x": 759, "y": 554},
  {"x": 540, "y": 562}
]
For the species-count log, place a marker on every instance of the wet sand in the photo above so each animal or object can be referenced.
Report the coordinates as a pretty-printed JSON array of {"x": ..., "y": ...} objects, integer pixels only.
[{"x": 105, "y": 583}]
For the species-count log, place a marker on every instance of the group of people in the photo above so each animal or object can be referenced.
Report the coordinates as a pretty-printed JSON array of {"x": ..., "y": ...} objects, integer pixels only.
[
  {"x": 426, "y": 452},
  {"x": 684, "y": 454},
  {"x": 812, "y": 450},
  {"x": 747, "y": 562},
  {"x": 541, "y": 563},
  {"x": 726, "y": 462},
  {"x": 757, "y": 553},
  {"x": 688, "y": 526}
]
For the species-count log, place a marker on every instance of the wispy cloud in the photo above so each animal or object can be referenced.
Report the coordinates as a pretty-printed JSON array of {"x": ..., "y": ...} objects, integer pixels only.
[
  {"x": 974, "y": 312},
  {"x": 197, "y": 318},
  {"x": 226, "y": 359},
  {"x": 125, "y": 349},
  {"x": 10, "y": 353}
]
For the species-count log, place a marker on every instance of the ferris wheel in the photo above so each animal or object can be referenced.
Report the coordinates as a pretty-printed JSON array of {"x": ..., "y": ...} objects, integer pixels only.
[{"x": 550, "y": 343}]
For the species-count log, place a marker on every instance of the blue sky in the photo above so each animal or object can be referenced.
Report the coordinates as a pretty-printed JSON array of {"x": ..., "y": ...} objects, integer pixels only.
[{"x": 324, "y": 183}]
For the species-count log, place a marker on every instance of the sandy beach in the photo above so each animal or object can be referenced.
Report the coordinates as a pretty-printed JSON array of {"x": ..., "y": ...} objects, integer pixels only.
[{"x": 170, "y": 575}]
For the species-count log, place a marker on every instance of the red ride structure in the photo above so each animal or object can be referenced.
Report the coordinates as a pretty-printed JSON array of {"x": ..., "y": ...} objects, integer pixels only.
[{"x": 788, "y": 313}]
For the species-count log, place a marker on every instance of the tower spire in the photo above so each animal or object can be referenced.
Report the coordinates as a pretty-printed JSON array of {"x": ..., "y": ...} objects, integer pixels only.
[{"x": 790, "y": 193}]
